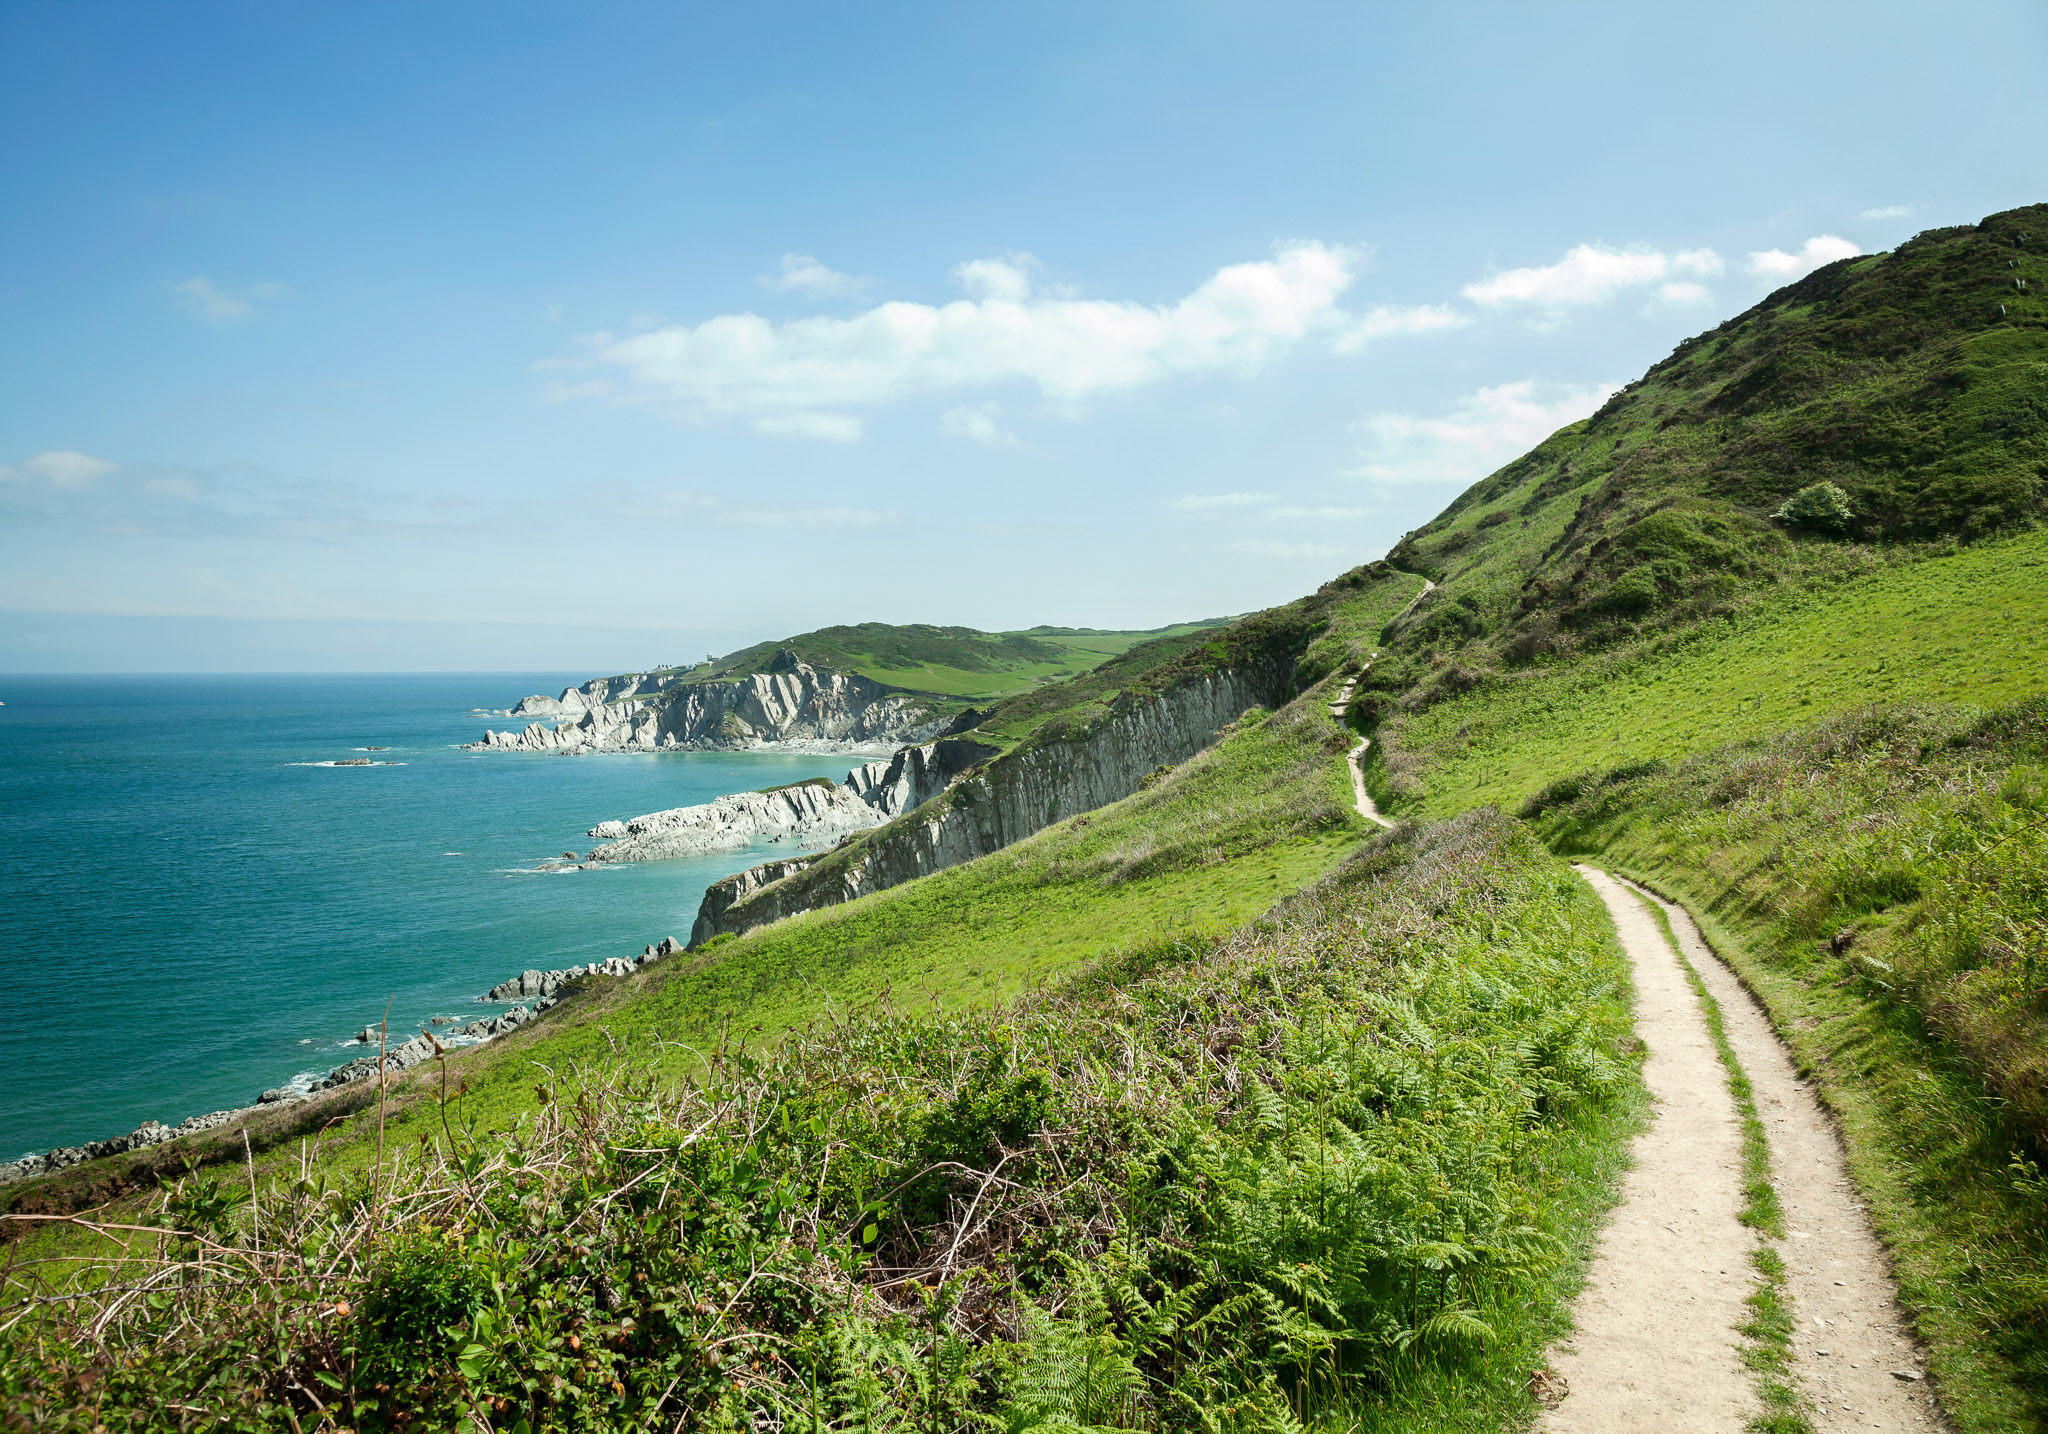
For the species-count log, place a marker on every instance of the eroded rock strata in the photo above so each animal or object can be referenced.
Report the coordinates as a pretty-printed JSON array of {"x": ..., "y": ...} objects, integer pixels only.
[
  {"x": 804, "y": 814},
  {"x": 989, "y": 806},
  {"x": 792, "y": 706}
]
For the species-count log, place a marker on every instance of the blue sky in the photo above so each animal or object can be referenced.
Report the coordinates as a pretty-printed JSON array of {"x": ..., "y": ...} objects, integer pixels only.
[{"x": 584, "y": 336}]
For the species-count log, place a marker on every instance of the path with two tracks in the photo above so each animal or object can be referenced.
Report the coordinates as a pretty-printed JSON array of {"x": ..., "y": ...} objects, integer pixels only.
[{"x": 1657, "y": 1346}]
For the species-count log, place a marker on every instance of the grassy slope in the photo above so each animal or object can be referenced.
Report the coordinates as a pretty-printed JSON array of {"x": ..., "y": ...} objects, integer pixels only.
[
  {"x": 1619, "y": 602},
  {"x": 1344, "y": 1166},
  {"x": 952, "y": 661},
  {"x": 1921, "y": 834},
  {"x": 1971, "y": 627}
]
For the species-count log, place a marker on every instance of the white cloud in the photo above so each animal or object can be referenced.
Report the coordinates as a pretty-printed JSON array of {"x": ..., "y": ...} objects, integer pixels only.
[
  {"x": 1685, "y": 292},
  {"x": 801, "y": 517},
  {"x": 1820, "y": 249},
  {"x": 1199, "y": 502},
  {"x": 1006, "y": 280},
  {"x": 219, "y": 306},
  {"x": 1588, "y": 275},
  {"x": 1386, "y": 322},
  {"x": 800, "y": 273},
  {"x": 832, "y": 427},
  {"x": 786, "y": 375},
  {"x": 1304, "y": 551},
  {"x": 1890, "y": 211},
  {"x": 1322, "y": 515},
  {"x": 65, "y": 469},
  {"x": 1483, "y": 431},
  {"x": 978, "y": 423}
]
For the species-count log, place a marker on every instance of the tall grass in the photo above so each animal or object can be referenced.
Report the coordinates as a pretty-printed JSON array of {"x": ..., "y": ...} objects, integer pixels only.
[
  {"x": 1880, "y": 881},
  {"x": 1335, "y": 1166}
]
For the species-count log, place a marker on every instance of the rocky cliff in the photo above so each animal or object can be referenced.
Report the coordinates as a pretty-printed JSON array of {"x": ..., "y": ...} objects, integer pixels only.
[
  {"x": 793, "y": 705},
  {"x": 989, "y": 806},
  {"x": 813, "y": 813},
  {"x": 596, "y": 693}
]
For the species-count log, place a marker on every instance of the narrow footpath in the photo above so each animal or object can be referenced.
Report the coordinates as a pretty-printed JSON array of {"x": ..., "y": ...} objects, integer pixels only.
[
  {"x": 1341, "y": 709},
  {"x": 1857, "y": 1359},
  {"x": 1657, "y": 1346}
]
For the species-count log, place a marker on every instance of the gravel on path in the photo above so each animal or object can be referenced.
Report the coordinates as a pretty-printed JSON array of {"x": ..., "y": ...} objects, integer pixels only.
[
  {"x": 1656, "y": 1347},
  {"x": 1857, "y": 1359}
]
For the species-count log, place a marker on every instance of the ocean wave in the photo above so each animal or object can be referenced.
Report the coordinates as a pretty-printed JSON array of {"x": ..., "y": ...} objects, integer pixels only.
[{"x": 347, "y": 762}]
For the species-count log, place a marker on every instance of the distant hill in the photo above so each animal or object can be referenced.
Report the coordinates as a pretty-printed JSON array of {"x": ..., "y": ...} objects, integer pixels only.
[{"x": 953, "y": 661}]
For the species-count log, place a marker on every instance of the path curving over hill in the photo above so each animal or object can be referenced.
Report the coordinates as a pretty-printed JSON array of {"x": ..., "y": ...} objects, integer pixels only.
[{"x": 1355, "y": 759}]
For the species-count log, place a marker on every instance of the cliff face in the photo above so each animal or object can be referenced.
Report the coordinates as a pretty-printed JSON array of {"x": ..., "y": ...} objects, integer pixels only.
[
  {"x": 793, "y": 704},
  {"x": 804, "y": 814},
  {"x": 596, "y": 693},
  {"x": 998, "y": 803}
]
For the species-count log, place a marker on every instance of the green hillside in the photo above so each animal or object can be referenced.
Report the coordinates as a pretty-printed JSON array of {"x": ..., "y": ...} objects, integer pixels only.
[
  {"x": 950, "y": 661},
  {"x": 1217, "y": 1108}
]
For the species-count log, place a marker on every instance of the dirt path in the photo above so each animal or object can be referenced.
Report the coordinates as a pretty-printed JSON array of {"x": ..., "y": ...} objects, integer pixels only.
[
  {"x": 1363, "y": 798},
  {"x": 1852, "y": 1335},
  {"x": 1340, "y": 709},
  {"x": 1656, "y": 1347}
]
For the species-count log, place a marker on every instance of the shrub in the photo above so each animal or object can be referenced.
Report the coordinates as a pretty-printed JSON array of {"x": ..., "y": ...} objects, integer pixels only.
[
  {"x": 1817, "y": 505},
  {"x": 1270, "y": 1175}
]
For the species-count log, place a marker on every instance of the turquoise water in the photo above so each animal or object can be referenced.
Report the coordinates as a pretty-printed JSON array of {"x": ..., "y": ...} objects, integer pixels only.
[{"x": 189, "y": 914}]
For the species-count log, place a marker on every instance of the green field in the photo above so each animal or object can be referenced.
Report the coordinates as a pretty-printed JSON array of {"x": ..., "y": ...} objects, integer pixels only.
[
  {"x": 1971, "y": 627},
  {"x": 960, "y": 662}
]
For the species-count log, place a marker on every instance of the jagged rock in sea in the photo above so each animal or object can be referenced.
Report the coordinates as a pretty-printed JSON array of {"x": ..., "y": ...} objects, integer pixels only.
[
  {"x": 792, "y": 706},
  {"x": 149, "y": 1133}
]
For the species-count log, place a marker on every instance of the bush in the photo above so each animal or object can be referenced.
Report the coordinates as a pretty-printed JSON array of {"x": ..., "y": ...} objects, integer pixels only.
[
  {"x": 1209, "y": 1188},
  {"x": 1817, "y": 505}
]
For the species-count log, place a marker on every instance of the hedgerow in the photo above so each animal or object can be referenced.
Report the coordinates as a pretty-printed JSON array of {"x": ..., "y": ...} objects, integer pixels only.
[{"x": 1223, "y": 1187}]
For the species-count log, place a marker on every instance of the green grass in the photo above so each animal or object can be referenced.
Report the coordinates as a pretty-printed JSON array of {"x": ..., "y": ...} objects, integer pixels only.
[
  {"x": 1342, "y": 1168},
  {"x": 1970, "y": 627},
  {"x": 1845, "y": 872},
  {"x": 960, "y": 662}
]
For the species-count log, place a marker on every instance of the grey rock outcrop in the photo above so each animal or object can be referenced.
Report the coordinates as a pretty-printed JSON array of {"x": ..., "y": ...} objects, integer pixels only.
[
  {"x": 991, "y": 806},
  {"x": 807, "y": 814},
  {"x": 149, "y": 1133},
  {"x": 596, "y": 693},
  {"x": 792, "y": 706}
]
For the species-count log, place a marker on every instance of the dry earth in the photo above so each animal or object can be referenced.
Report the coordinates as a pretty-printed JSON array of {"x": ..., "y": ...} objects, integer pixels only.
[
  {"x": 1656, "y": 1347},
  {"x": 1857, "y": 1358}
]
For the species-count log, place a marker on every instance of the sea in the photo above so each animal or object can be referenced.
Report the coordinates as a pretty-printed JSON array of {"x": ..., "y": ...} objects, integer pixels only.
[{"x": 196, "y": 905}]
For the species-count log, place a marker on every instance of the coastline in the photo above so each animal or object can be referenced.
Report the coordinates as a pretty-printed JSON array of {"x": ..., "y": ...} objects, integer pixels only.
[{"x": 549, "y": 987}]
